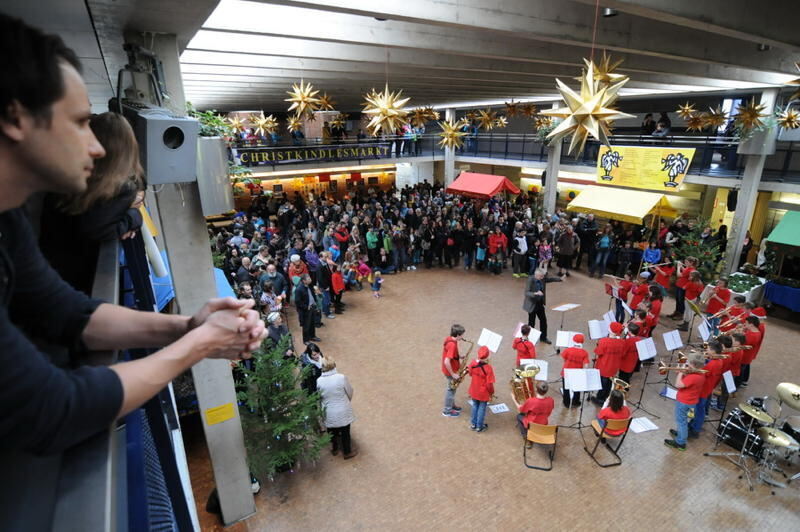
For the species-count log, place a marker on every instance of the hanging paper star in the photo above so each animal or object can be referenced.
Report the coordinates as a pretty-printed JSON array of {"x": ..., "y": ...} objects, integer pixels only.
[
  {"x": 686, "y": 110},
  {"x": 370, "y": 95},
  {"x": 452, "y": 136},
  {"x": 487, "y": 119},
  {"x": 587, "y": 113},
  {"x": 542, "y": 122},
  {"x": 789, "y": 119},
  {"x": 695, "y": 122},
  {"x": 431, "y": 113},
  {"x": 604, "y": 71},
  {"x": 386, "y": 110},
  {"x": 796, "y": 94},
  {"x": 326, "y": 103},
  {"x": 236, "y": 124},
  {"x": 471, "y": 115},
  {"x": 714, "y": 118},
  {"x": 294, "y": 123},
  {"x": 749, "y": 116},
  {"x": 463, "y": 122},
  {"x": 264, "y": 124},
  {"x": 529, "y": 110},
  {"x": 339, "y": 120},
  {"x": 512, "y": 108},
  {"x": 419, "y": 116},
  {"x": 303, "y": 98},
  {"x": 500, "y": 122}
]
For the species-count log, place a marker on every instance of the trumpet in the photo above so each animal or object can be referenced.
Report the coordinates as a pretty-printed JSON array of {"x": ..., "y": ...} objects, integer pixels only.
[
  {"x": 663, "y": 369},
  {"x": 523, "y": 385},
  {"x": 721, "y": 312}
]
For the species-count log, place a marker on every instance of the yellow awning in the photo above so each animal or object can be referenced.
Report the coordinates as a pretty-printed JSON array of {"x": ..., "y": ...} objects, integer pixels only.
[{"x": 621, "y": 204}]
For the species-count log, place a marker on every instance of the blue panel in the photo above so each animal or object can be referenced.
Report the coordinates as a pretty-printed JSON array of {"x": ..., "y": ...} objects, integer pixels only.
[{"x": 223, "y": 287}]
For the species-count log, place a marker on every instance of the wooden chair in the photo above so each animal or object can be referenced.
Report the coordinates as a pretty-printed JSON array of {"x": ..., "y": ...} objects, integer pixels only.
[
  {"x": 543, "y": 435},
  {"x": 602, "y": 436}
]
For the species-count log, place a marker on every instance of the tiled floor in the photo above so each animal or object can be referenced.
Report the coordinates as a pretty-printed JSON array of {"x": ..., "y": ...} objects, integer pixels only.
[{"x": 419, "y": 470}]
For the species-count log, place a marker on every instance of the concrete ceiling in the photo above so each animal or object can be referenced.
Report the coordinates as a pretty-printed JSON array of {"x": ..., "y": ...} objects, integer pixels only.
[{"x": 247, "y": 54}]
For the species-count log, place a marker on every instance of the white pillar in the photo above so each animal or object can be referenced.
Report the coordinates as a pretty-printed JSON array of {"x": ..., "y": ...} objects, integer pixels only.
[
  {"x": 449, "y": 153},
  {"x": 186, "y": 240},
  {"x": 756, "y": 149},
  {"x": 551, "y": 179}
]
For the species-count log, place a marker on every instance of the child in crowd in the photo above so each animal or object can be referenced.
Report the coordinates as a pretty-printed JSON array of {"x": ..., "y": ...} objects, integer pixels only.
[
  {"x": 625, "y": 257},
  {"x": 385, "y": 261},
  {"x": 533, "y": 257},
  {"x": 337, "y": 287},
  {"x": 350, "y": 276},
  {"x": 377, "y": 281},
  {"x": 652, "y": 255},
  {"x": 545, "y": 254},
  {"x": 362, "y": 271}
]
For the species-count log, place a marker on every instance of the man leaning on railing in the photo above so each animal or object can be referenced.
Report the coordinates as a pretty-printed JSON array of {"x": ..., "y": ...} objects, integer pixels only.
[{"x": 46, "y": 145}]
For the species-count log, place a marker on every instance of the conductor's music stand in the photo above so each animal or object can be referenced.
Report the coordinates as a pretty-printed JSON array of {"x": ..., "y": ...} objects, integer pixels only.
[
  {"x": 563, "y": 309},
  {"x": 639, "y": 404}
]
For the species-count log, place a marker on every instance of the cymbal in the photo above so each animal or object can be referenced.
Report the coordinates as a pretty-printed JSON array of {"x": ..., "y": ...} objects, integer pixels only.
[
  {"x": 756, "y": 413},
  {"x": 789, "y": 394},
  {"x": 777, "y": 437}
]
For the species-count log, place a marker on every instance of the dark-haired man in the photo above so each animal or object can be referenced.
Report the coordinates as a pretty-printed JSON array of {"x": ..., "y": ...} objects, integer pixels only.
[{"x": 451, "y": 364}]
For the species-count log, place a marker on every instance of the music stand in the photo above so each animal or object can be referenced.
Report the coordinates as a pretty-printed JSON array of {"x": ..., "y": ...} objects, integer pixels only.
[
  {"x": 563, "y": 309},
  {"x": 582, "y": 381},
  {"x": 644, "y": 355},
  {"x": 695, "y": 313}
]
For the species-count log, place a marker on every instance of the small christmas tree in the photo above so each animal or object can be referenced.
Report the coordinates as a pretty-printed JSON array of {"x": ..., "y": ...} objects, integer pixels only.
[
  {"x": 708, "y": 254},
  {"x": 282, "y": 422}
]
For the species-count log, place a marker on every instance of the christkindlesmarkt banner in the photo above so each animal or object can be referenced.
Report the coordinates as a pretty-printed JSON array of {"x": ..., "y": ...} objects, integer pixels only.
[{"x": 652, "y": 168}]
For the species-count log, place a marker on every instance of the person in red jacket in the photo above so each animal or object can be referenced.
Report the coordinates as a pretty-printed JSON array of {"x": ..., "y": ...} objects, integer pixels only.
[
  {"x": 689, "y": 385},
  {"x": 337, "y": 287},
  {"x": 609, "y": 352},
  {"x": 537, "y": 409},
  {"x": 575, "y": 357},
  {"x": 451, "y": 363},
  {"x": 719, "y": 299},
  {"x": 498, "y": 247},
  {"x": 715, "y": 367},
  {"x": 481, "y": 388},
  {"x": 752, "y": 337},
  {"x": 685, "y": 269},
  {"x": 616, "y": 409},
  {"x": 662, "y": 276},
  {"x": 640, "y": 290},
  {"x": 525, "y": 348},
  {"x": 631, "y": 356},
  {"x": 691, "y": 291}
]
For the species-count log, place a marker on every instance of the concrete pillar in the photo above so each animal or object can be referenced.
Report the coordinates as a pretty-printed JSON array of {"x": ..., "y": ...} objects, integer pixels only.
[
  {"x": 186, "y": 240},
  {"x": 449, "y": 153},
  {"x": 551, "y": 179},
  {"x": 756, "y": 149}
]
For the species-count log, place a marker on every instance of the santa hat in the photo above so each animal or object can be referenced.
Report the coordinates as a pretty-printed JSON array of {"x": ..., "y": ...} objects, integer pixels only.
[
  {"x": 483, "y": 352},
  {"x": 615, "y": 327},
  {"x": 577, "y": 339},
  {"x": 759, "y": 313}
]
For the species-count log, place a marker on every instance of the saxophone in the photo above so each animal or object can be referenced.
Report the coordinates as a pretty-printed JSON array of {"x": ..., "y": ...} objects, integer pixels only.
[{"x": 462, "y": 371}]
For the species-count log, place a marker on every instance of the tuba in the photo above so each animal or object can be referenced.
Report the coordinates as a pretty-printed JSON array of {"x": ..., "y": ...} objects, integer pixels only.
[
  {"x": 621, "y": 385},
  {"x": 523, "y": 385}
]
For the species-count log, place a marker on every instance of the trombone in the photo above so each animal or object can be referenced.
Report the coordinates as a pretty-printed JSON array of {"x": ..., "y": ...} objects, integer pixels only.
[
  {"x": 682, "y": 358},
  {"x": 663, "y": 369}
]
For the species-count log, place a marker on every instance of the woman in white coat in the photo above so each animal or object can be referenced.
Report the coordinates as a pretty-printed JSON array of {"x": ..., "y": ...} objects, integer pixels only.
[{"x": 336, "y": 393}]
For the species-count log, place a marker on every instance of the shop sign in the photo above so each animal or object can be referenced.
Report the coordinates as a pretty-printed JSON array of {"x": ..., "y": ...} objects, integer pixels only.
[
  {"x": 652, "y": 168},
  {"x": 299, "y": 154}
]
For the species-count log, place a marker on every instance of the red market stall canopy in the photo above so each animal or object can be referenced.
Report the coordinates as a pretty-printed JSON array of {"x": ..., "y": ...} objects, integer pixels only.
[{"x": 482, "y": 186}]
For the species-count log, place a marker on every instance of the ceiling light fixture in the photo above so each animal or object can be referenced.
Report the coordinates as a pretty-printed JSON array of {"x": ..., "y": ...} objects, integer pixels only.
[
  {"x": 764, "y": 47},
  {"x": 609, "y": 12}
]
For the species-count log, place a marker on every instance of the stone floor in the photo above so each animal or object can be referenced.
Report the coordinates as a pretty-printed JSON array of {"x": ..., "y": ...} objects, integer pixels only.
[{"x": 419, "y": 470}]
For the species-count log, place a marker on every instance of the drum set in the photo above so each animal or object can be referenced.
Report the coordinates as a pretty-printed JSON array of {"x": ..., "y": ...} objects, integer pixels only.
[{"x": 763, "y": 438}]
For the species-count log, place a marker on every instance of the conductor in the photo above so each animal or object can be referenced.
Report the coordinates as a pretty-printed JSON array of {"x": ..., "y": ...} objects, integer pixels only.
[{"x": 535, "y": 299}]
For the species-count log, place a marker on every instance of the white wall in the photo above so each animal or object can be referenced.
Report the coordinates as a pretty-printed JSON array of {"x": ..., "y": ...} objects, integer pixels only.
[{"x": 412, "y": 173}]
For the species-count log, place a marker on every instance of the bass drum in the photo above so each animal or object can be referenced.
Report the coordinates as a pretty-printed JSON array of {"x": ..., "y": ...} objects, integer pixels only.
[{"x": 734, "y": 430}]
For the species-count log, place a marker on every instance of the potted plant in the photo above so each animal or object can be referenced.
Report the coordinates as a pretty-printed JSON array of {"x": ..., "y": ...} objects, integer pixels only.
[{"x": 212, "y": 161}]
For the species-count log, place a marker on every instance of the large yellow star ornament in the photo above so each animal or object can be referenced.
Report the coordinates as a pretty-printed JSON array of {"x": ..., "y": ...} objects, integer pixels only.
[
  {"x": 386, "y": 111},
  {"x": 339, "y": 120},
  {"x": 604, "y": 71},
  {"x": 796, "y": 94},
  {"x": 452, "y": 136},
  {"x": 264, "y": 124},
  {"x": 326, "y": 103},
  {"x": 789, "y": 119},
  {"x": 686, "y": 110},
  {"x": 695, "y": 122},
  {"x": 304, "y": 98},
  {"x": 587, "y": 113},
  {"x": 295, "y": 123},
  {"x": 500, "y": 122},
  {"x": 487, "y": 119},
  {"x": 749, "y": 116},
  {"x": 714, "y": 118},
  {"x": 419, "y": 117},
  {"x": 236, "y": 124},
  {"x": 512, "y": 109}
]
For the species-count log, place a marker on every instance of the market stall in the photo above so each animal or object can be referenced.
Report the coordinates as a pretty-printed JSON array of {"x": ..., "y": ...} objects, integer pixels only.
[
  {"x": 784, "y": 240},
  {"x": 481, "y": 186},
  {"x": 621, "y": 204}
]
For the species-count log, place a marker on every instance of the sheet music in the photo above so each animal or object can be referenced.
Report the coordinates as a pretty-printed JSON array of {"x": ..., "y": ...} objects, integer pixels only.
[
  {"x": 499, "y": 408},
  {"x": 642, "y": 424},
  {"x": 582, "y": 380},
  {"x": 670, "y": 393},
  {"x": 565, "y": 307},
  {"x": 615, "y": 292},
  {"x": 646, "y": 349},
  {"x": 534, "y": 335},
  {"x": 628, "y": 309},
  {"x": 609, "y": 317},
  {"x": 564, "y": 338},
  {"x": 490, "y": 339},
  {"x": 672, "y": 340},
  {"x": 541, "y": 364},
  {"x": 518, "y": 330},
  {"x": 704, "y": 331},
  {"x": 730, "y": 385},
  {"x": 598, "y": 329}
]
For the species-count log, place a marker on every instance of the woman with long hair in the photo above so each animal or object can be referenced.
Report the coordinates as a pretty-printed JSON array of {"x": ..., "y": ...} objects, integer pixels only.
[{"x": 72, "y": 227}]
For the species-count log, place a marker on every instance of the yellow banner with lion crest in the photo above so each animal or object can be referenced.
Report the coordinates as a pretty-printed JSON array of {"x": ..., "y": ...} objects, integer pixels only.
[{"x": 653, "y": 168}]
